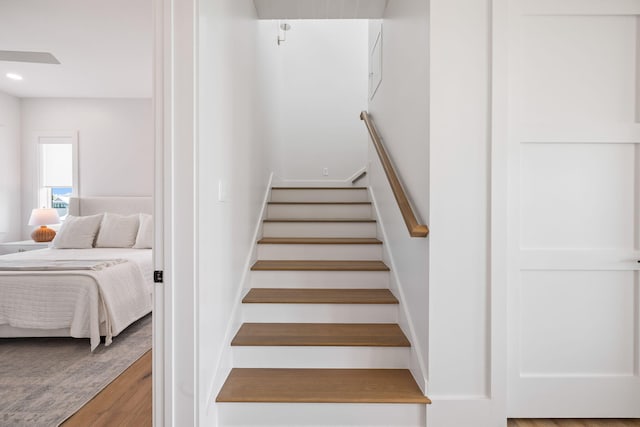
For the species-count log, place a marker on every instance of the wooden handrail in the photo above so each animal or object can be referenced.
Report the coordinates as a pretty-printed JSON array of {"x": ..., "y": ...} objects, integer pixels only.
[{"x": 415, "y": 229}]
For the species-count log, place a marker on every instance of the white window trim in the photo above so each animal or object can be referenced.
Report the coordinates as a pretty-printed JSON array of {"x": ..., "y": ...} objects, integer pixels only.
[{"x": 38, "y": 140}]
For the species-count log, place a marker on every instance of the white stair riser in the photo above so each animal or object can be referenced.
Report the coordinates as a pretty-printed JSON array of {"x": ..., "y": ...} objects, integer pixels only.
[
  {"x": 321, "y": 414},
  {"x": 321, "y": 357},
  {"x": 320, "y": 313},
  {"x": 322, "y": 252},
  {"x": 319, "y": 211},
  {"x": 320, "y": 279},
  {"x": 319, "y": 195},
  {"x": 319, "y": 229}
]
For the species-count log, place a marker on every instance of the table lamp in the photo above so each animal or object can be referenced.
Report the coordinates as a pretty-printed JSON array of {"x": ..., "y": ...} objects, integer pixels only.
[{"x": 43, "y": 217}]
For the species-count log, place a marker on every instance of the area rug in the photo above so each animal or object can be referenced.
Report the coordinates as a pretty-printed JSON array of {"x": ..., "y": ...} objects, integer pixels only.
[{"x": 43, "y": 381}]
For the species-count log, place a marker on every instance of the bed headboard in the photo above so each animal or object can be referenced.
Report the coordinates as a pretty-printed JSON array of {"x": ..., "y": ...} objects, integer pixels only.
[{"x": 120, "y": 205}]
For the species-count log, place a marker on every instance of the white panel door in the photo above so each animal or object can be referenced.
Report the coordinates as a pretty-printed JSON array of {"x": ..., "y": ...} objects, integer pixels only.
[{"x": 574, "y": 208}]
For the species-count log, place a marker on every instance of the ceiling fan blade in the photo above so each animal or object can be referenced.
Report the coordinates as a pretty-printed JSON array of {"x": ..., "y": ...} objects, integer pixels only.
[{"x": 21, "y": 56}]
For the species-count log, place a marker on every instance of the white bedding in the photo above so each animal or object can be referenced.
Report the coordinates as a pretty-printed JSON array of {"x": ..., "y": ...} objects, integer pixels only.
[
  {"x": 58, "y": 264},
  {"x": 85, "y": 301}
]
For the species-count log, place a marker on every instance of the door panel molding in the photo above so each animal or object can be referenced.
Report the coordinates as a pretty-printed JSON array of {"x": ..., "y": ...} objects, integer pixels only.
[
  {"x": 573, "y": 209},
  {"x": 580, "y": 7}
]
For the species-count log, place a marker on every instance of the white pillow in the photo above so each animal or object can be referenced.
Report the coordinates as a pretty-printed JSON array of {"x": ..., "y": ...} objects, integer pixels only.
[
  {"x": 77, "y": 232},
  {"x": 117, "y": 231},
  {"x": 144, "y": 239}
]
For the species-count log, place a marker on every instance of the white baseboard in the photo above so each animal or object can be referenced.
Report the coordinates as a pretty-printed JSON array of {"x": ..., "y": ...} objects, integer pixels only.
[
  {"x": 320, "y": 182},
  {"x": 224, "y": 363},
  {"x": 464, "y": 411},
  {"x": 416, "y": 363}
]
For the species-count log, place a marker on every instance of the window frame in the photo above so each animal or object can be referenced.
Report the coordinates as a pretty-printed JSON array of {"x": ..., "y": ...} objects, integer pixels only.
[{"x": 39, "y": 140}]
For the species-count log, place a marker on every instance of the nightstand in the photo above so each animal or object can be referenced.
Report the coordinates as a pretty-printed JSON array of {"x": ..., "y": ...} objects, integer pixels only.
[{"x": 22, "y": 246}]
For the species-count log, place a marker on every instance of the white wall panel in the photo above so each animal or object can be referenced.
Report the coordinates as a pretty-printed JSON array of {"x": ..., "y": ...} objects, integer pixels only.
[
  {"x": 577, "y": 323},
  {"x": 573, "y": 209},
  {"x": 580, "y": 7},
  {"x": 579, "y": 68},
  {"x": 459, "y": 325},
  {"x": 577, "y": 195}
]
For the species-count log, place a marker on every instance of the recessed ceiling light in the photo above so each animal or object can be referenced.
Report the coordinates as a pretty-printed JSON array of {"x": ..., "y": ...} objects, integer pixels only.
[{"x": 14, "y": 76}]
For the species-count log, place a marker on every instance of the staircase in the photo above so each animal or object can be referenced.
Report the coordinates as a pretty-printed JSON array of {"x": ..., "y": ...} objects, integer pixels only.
[{"x": 320, "y": 344}]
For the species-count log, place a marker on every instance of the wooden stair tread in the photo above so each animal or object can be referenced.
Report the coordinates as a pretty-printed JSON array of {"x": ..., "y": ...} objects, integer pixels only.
[
  {"x": 318, "y": 188},
  {"x": 321, "y": 334},
  {"x": 319, "y": 203},
  {"x": 301, "y": 265},
  {"x": 321, "y": 386},
  {"x": 319, "y": 241},
  {"x": 319, "y": 220},
  {"x": 319, "y": 296}
]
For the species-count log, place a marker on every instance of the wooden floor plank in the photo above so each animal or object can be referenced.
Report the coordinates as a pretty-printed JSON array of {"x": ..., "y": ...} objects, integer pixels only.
[
  {"x": 296, "y": 265},
  {"x": 319, "y": 296},
  {"x": 125, "y": 402},
  {"x": 574, "y": 422},
  {"x": 321, "y": 386},
  {"x": 321, "y": 334},
  {"x": 319, "y": 241}
]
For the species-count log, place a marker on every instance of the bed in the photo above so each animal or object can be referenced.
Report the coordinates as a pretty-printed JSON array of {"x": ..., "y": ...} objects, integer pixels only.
[{"x": 85, "y": 291}]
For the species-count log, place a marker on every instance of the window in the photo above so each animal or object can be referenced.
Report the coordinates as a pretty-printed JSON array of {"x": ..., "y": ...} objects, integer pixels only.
[{"x": 57, "y": 174}]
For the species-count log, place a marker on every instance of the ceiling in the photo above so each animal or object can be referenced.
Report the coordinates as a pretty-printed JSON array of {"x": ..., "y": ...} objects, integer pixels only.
[
  {"x": 320, "y": 9},
  {"x": 105, "y": 47}
]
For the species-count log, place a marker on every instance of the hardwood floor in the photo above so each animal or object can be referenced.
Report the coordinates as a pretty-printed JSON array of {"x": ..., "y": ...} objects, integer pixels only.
[
  {"x": 127, "y": 402},
  {"x": 574, "y": 423},
  {"x": 124, "y": 402}
]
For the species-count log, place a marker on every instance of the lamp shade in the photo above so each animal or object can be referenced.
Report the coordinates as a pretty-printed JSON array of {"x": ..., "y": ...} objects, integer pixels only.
[{"x": 44, "y": 216}]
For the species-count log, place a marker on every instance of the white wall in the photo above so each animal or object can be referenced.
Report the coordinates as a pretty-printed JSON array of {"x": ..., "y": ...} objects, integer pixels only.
[
  {"x": 10, "y": 208},
  {"x": 447, "y": 178},
  {"x": 315, "y": 84},
  {"x": 433, "y": 111},
  {"x": 115, "y": 144},
  {"x": 231, "y": 151},
  {"x": 463, "y": 370},
  {"x": 400, "y": 110}
]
